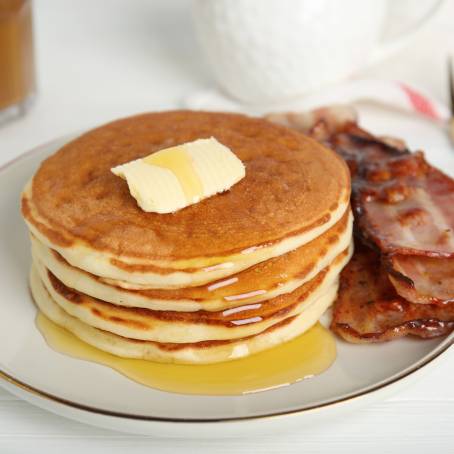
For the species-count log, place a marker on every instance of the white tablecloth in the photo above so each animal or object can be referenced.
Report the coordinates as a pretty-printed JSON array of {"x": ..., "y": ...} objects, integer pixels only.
[{"x": 101, "y": 59}]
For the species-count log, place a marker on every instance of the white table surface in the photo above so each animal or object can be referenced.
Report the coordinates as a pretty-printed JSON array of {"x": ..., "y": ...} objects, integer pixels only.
[{"x": 102, "y": 59}]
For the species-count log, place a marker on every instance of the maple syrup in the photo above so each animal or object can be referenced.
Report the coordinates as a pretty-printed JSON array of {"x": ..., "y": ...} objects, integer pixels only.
[{"x": 303, "y": 357}]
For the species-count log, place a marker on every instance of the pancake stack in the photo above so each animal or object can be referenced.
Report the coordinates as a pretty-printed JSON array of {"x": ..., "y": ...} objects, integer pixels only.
[{"x": 230, "y": 276}]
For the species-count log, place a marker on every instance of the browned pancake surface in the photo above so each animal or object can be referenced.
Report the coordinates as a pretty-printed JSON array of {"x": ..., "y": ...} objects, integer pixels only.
[{"x": 292, "y": 184}]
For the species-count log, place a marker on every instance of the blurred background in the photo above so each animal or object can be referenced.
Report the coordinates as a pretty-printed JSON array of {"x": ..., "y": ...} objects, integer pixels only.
[{"x": 97, "y": 60}]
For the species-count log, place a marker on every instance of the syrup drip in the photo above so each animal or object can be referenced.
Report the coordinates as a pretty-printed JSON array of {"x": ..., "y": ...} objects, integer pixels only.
[{"x": 308, "y": 355}]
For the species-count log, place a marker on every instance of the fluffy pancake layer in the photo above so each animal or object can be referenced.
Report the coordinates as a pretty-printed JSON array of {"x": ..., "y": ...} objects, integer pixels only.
[
  {"x": 259, "y": 283},
  {"x": 190, "y": 353},
  {"x": 185, "y": 327},
  {"x": 90, "y": 218}
]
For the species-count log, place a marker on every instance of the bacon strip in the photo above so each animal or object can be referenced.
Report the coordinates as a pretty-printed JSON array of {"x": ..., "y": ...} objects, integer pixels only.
[
  {"x": 405, "y": 208},
  {"x": 423, "y": 280},
  {"x": 402, "y": 203},
  {"x": 368, "y": 309}
]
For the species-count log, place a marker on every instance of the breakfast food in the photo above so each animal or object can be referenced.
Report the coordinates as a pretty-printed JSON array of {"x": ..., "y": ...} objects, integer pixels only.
[
  {"x": 400, "y": 280},
  {"x": 223, "y": 278},
  {"x": 174, "y": 178},
  {"x": 368, "y": 308}
]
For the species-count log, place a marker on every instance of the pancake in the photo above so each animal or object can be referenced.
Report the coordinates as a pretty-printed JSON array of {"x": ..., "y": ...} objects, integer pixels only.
[
  {"x": 193, "y": 353},
  {"x": 185, "y": 327},
  {"x": 295, "y": 189},
  {"x": 224, "y": 278},
  {"x": 259, "y": 283}
]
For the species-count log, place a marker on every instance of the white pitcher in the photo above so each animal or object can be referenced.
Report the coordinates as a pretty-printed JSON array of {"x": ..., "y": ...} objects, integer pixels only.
[{"x": 270, "y": 50}]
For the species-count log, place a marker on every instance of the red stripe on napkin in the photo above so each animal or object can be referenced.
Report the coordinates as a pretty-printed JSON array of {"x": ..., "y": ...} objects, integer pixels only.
[{"x": 419, "y": 102}]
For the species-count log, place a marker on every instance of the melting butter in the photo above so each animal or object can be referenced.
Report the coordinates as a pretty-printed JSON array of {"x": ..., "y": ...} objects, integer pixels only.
[
  {"x": 308, "y": 355},
  {"x": 176, "y": 177}
]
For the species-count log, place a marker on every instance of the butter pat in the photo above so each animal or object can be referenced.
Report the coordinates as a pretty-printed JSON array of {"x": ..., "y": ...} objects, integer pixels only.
[{"x": 176, "y": 177}]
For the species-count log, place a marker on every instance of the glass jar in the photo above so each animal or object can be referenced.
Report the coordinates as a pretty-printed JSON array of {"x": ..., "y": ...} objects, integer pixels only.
[{"x": 17, "y": 68}]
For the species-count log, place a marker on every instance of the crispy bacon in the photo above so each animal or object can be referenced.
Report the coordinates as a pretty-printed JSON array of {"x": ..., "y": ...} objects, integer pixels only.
[
  {"x": 404, "y": 209},
  {"x": 368, "y": 309},
  {"x": 402, "y": 203}
]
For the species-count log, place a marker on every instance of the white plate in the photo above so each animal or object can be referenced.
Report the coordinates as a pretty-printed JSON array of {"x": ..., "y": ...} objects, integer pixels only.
[{"x": 98, "y": 395}]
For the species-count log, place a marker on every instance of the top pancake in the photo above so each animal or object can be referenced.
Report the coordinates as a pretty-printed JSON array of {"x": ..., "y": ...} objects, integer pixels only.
[{"x": 293, "y": 186}]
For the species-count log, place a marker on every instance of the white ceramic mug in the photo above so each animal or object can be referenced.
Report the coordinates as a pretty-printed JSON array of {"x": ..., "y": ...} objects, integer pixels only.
[{"x": 270, "y": 50}]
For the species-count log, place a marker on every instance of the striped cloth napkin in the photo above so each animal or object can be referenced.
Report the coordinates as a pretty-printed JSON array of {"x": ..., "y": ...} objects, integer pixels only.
[{"x": 391, "y": 94}]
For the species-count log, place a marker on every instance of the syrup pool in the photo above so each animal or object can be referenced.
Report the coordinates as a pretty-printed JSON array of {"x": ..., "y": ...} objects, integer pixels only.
[{"x": 306, "y": 356}]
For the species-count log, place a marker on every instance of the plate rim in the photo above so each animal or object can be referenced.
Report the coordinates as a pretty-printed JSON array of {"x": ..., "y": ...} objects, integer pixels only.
[
  {"x": 4, "y": 376},
  {"x": 67, "y": 403}
]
